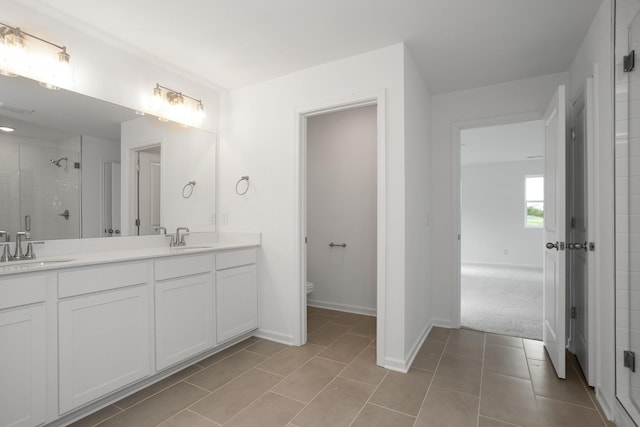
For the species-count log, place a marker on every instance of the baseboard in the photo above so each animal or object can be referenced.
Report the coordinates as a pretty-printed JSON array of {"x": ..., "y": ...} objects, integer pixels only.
[
  {"x": 403, "y": 366},
  {"x": 622, "y": 418},
  {"x": 342, "y": 307},
  {"x": 442, "y": 323},
  {"x": 393, "y": 364},
  {"x": 503, "y": 265},
  {"x": 274, "y": 336}
]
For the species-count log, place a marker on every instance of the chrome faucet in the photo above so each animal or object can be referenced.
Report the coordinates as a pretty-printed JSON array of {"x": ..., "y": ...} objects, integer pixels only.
[
  {"x": 6, "y": 252},
  {"x": 180, "y": 237},
  {"x": 7, "y": 236},
  {"x": 162, "y": 230},
  {"x": 20, "y": 236}
]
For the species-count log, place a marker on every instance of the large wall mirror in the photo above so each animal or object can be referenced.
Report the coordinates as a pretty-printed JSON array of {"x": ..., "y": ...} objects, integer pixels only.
[{"x": 78, "y": 167}]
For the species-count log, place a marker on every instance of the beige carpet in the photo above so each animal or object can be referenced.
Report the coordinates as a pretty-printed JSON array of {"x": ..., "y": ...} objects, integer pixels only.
[{"x": 506, "y": 301}]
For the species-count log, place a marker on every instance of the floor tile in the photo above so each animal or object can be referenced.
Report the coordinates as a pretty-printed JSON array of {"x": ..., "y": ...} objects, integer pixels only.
[
  {"x": 290, "y": 359},
  {"x": 266, "y": 348},
  {"x": 223, "y": 404},
  {"x": 506, "y": 360},
  {"x": 547, "y": 384},
  {"x": 504, "y": 340},
  {"x": 224, "y": 371},
  {"x": 364, "y": 368},
  {"x": 314, "y": 321},
  {"x": 271, "y": 410},
  {"x": 96, "y": 417},
  {"x": 429, "y": 355},
  {"x": 439, "y": 334},
  {"x": 227, "y": 352},
  {"x": 157, "y": 387},
  {"x": 534, "y": 349},
  {"x": 376, "y": 416},
  {"x": 336, "y": 406},
  {"x": 346, "y": 348},
  {"x": 305, "y": 383},
  {"x": 444, "y": 408},
  {"x": 366, "y": 328},
  {"x": 466, "y": 343},
  {"x": 560, "y": 414},
  {"x": 403, "y": 392},
  {"x": 326, "y": 334},
  {"x": 459, "y": 373},
  {"x": 351, "y": 319},
  {"x": 158, "y": 408},
  {"x": 187, "y": 418},
  {"x": 508, "y": 399},
  {"x": 489, "y": 422}
]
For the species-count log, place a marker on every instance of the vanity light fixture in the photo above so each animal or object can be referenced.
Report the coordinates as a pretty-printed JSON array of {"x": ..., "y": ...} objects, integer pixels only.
[
  {"x": 169, "y": 104},
  {"x": 6, "y": 129},
  {"x": 19, "y": 56}
]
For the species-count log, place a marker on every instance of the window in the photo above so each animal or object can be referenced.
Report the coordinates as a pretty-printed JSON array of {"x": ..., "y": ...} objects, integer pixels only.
[{"x": 534, "y": 201}]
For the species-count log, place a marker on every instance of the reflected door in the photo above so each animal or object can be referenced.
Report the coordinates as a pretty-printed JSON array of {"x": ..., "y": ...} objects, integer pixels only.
[{"x": 148, "y": 197}]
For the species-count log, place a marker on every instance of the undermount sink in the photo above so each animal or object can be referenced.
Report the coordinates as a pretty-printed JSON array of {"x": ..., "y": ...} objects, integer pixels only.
[
  {"x": 187, "y": 248},
  {"x": 18, "y": 265}
]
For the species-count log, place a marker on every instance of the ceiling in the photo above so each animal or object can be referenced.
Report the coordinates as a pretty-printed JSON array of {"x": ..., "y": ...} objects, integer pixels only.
[
  {"x": 457, "y": 44},
  {"x": 504, "y": 143}
]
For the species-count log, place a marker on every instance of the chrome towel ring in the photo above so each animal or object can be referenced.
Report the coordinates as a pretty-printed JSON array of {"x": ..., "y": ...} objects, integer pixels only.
[
  {"x": 187, "y": 190},
  {"x": 239, "y": 192}
]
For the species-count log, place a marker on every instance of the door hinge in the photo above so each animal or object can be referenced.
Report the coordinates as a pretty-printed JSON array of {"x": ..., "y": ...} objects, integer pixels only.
[
  {"x": 138, "y": 222},
  {"x": 305, "y": 239},
  {"x": 137, "y": 167},
  {"x": 573, "y": 134},
  {"x": 629, "y": 62},
  {"x": 572, "y": 222},
  {"x": 573, "y": 312},
  {"x": 630, "y": 360}
]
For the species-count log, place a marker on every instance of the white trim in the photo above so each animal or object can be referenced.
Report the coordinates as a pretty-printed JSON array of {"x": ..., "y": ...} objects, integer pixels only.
[
  {"x": 442, "y": 323},
  {"x": 299, "y": 197},
  {"x": 274, "y": 336},
  {"x": 499, "y": 265},
  {"x": 342, "y": 307},
  {"x": 621, "y": 417},
  {"x": 456, "y": 128}
]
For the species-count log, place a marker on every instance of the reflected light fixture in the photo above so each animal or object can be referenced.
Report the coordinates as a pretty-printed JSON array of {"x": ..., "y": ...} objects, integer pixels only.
[
  {"x": 25, "y": 54},
  {"x": 6, "y": 129},
  {"x": 169, "y": 104}
]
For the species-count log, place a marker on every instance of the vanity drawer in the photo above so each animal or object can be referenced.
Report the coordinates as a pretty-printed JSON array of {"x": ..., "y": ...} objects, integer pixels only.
[
  {"x": 95, "y": 279},
  {"x": 183, "y": 266},
  {"x": 232, "y": 259},
  {"x": 22, "y": 290}
]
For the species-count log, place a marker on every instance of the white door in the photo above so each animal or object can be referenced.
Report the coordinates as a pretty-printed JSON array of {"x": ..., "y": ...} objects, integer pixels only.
[
  {"x": 578, "y": 223},
  {"x": 553, "y": 331},
  {"x": 149, "y": 174}
]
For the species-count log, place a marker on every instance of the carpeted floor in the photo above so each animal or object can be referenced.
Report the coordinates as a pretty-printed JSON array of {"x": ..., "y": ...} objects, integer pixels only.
[{"x": 506, "y": 301}]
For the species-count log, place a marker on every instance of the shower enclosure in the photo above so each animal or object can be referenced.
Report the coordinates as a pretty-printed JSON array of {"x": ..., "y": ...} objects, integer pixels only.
[{"x": 40, "y": 187}]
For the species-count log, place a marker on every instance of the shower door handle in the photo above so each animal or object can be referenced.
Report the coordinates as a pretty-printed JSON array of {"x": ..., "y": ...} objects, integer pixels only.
[{"x": 333, "y": 245}]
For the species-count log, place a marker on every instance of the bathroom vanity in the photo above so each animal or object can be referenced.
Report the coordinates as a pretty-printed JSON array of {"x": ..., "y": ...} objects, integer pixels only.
[{"x": 81, "y": 330}]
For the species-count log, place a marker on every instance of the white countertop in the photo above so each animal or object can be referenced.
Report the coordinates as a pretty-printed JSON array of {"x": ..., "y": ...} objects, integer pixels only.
[{"x": 109, "y": 250}]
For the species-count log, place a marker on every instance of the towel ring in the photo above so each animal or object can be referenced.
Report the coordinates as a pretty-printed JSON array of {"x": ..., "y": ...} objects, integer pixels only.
[
  {"x": 242, "y": 193},
  {"x": 187, "y": 190}
]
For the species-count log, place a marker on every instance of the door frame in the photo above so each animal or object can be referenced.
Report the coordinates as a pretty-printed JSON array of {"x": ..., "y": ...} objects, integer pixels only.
[
  {"x": 456, "y": 169},
  {"x": 132, "y": 185},
  {"x": 300, "y": 207}
]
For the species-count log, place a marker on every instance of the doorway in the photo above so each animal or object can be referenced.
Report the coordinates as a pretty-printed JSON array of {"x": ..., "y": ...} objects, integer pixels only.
[
  {"x": 147, "y": 173},
  {"x": 502, "y": 205}
]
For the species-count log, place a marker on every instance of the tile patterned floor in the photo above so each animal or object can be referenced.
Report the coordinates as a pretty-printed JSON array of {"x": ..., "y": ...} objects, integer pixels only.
[{"x": 459, "y": 378}]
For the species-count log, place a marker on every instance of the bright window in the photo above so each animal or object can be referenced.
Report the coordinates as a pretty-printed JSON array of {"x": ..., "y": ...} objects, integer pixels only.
[{"x": 534, "y": 201}]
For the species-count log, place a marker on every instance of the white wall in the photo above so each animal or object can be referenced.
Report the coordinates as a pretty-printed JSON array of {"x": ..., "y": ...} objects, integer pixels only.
[
  {"x": 258, "y": 128},
  {"x": 530, "y": 96},
  {"x": 187, "y": 155},
  {"x": 341, "y": 207},
  {"x": 418, "y": 264},
  {"x": 493, "y": 214},
  {"x": 106, "y": 69},
  {"x": 95, "y": 152}
]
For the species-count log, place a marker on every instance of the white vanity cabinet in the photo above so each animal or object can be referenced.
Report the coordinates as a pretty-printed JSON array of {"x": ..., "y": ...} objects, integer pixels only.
[
  {"x": 104, "y": 331},
  {"x": 236, "y": 293},
  {"x": 22, "y": 350},
  {"x": 184, "y": 304}
]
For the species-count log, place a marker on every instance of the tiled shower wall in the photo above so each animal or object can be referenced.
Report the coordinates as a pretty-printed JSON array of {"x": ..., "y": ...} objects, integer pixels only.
[{"x": 627, "y": 170}]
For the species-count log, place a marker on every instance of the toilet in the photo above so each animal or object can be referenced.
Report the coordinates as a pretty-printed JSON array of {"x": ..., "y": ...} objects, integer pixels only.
[{"x": 309, "y": 288}]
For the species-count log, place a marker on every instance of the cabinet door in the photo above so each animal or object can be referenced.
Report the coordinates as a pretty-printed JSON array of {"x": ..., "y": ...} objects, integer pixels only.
[
  {"x": 184, "y": 318},
  {"x": 22, "y": 366},
  {"x": 104, "y": 344},
  {"x": 236, "y": 301}
]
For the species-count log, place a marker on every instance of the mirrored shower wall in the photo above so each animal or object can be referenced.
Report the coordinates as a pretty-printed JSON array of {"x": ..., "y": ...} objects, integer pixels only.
[
  {"x": 40, "y": 187},
  {"x": 627, "y": 171}
]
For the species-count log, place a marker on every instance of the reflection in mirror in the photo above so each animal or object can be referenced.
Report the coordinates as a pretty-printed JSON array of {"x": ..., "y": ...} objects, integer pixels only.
[
  {"x": 146, "y": 191},
  {"x": 61, "y": 171}
]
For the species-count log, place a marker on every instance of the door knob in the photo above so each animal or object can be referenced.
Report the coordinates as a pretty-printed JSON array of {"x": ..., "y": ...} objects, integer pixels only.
[
  {"x": 551, "y": 245},
  {"x": 577, "y": 246}
]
